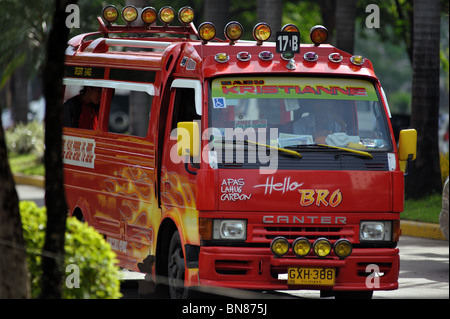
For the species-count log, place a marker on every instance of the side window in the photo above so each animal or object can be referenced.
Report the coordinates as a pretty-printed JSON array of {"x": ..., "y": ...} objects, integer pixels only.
[
  {"x": 129, "y": 112},
  {"x": 81, "y": 106},
  {"x": 184, "y": 106}
]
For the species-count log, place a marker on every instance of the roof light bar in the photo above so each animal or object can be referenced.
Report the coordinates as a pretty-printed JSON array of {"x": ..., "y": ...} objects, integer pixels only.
[
  {"x": 110, "y": 13},
  {"x": 318, "y": 34},
  {"x": 233, "y": 31},
  {"x": 166, "y": 15},
  {"x": 129, "y": 13},
  {"x": 186, "y": 15},
  {"x": 261, "y": 32},
  {"x": 149, "y": 15}
]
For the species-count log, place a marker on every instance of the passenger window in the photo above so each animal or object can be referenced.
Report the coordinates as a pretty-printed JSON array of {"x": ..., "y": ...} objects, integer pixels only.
[
  {"x": 184, "y": 106},
  {"x": 129, "y": 112},
  {"x": 81, "y": 106}
]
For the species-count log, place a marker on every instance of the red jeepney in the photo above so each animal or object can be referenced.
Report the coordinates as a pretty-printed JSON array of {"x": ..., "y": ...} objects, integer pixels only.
[{"x": 245, "y": 164}]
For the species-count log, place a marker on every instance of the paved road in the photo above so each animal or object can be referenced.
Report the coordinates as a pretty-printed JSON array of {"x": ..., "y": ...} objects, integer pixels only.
[{"x": 424, "y": 264}]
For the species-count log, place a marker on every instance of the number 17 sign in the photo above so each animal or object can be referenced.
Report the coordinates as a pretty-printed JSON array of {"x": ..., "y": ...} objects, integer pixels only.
[{"x": 287, "y": 42}]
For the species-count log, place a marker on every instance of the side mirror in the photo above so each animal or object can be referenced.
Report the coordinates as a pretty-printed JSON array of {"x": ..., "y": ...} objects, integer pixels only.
[
  {"x": 407, "y": 148},
  {"x": 188, "y": 139},
  {"x": 188, "y": 143}
]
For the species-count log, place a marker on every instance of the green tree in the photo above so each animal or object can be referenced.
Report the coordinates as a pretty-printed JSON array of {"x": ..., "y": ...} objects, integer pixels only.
[{"x": 426, "y": 177}]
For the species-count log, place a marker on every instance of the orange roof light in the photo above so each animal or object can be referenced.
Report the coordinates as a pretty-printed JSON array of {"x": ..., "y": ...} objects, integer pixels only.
[
  {"x": 186, "y": 15},
  {"x": 129, "y": 13},
  {"x": 149, "y": 15},
  {"x": 110, "y": 13},
  {"x": 290, "y": 28},
  {"x": 166, "y": 14},
  {"x": 262, "y": 32},
  {"x": 206, "y": 31},
  {"x": 318, "y": 34},
  {"x": 233, "y": 31}
]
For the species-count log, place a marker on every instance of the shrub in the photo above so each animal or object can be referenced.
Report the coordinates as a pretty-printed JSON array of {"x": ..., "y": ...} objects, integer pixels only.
[
  {"x": 26, "y": 138},
  {"x": 84, "y": 247}
]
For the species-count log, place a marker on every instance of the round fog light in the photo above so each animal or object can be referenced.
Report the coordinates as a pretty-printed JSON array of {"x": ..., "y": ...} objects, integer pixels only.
[
  {"x": 301, "y": 247},
  {"x": 322, "y": 247},
  {"x": 342, "y": 248},
  {"x": 279, "y": 246}
]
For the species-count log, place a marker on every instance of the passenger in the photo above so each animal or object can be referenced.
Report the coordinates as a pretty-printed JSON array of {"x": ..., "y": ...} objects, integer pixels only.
[{"x": 81, "y": 110}]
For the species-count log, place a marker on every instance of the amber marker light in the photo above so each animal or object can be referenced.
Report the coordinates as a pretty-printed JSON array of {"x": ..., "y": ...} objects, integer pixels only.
[
  {"x": 318, "y": 34},
  {"x": 261, "y": 32},
  {"x": 186, "y": 15},
  {"x": 129, "y": 13},
  {"x": 233, "y": 31},
  {"x": 206, "y": 31},
  {"x": 166, "y": 15},
  {"x": 110, "y": 13},
  {"x": 357, "y": 60},
  {"x": 149, "y": 15}
]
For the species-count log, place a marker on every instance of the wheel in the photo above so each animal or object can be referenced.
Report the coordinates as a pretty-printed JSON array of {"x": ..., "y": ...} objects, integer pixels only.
[{"x": 176, "y": 269}]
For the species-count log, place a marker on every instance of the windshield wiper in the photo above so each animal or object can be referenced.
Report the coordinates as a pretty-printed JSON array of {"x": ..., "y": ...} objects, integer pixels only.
[
  {"x": 280, "y": 149},
  {"x": 362, "y": 153},
  {"x": 284, "y": 150}
]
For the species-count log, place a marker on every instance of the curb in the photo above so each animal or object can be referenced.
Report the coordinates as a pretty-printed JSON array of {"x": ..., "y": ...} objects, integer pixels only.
[
  {"x": 408, "y": 228},
  {"x": 32, "y": 180},
  {"x": 421, "y": 229}
]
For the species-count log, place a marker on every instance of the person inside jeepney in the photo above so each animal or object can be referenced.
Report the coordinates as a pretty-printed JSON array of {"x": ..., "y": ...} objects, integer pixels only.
[
  {"x": 81, "y": 111},
  {"x": 318, "y": 118}
]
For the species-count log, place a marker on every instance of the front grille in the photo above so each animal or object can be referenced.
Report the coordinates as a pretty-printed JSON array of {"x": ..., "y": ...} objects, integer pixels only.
[{"x": 265, "y": 234}]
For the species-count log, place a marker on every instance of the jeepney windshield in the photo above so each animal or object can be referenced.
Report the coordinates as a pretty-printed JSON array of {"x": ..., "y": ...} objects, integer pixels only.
[{"x": 295, "y": 112}]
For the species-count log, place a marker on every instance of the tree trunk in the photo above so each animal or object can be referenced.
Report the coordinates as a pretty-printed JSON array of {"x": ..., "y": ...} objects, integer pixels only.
[
  {"x": 20, "y": 95},
  {"x": 14, "y": 281},
  {"x": 345, "y": 25},
  {"x": 270, "y": 11},
  {"x": 52, "y": 267},
  {"x": 216, "y": 11},
  {"x": 425, "y": 177}
]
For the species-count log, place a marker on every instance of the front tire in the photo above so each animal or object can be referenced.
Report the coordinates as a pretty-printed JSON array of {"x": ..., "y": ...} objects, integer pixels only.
[{"x": 176, "y": 269}]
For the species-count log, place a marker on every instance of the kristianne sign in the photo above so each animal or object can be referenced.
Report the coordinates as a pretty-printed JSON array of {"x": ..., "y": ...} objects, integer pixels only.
[{"x": 289, "y": 88}]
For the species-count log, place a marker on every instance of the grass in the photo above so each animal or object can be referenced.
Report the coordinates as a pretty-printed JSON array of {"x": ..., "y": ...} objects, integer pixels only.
[
  {"x": 26, "y": 164},
  {"x": 424, "y": 209}
]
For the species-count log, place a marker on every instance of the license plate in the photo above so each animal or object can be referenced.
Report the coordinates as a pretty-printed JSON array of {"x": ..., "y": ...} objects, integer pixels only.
[{"x": 311, "y": 276}]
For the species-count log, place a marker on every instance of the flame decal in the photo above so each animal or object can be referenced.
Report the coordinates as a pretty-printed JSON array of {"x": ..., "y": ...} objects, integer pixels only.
[
  {"x": 137, "y": 206},
  {"x": 180, "y": 202}
]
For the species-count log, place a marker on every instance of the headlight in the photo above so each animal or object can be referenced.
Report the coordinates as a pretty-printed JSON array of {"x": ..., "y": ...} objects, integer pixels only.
[
  {"x": 231, "y": 229},
  {"x": 375, "y": 230}
]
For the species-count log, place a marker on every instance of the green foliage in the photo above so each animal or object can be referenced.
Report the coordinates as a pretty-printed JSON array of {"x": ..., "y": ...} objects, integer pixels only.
[
  {"x": 26, "y": 138},
  {"x": 84, "y": 247},
  {"x": 426, "y": 209}
]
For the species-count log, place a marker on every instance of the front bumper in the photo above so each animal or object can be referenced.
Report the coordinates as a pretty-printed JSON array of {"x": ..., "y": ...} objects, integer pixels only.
[{"x": 258, "y": 269}]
